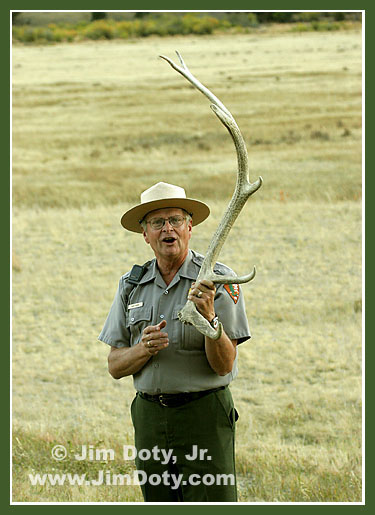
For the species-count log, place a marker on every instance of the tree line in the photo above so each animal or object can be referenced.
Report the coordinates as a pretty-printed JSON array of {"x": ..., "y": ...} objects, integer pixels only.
[{"x": 235, "y": 18}]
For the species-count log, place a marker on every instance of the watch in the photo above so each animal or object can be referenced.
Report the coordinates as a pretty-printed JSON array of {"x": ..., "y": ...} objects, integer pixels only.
[{"x": 215, "y": 322}]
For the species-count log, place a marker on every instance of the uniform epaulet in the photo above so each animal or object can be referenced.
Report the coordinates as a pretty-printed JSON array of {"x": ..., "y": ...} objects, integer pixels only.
[
  {"x": 197, "y": 259},
  {"x": 136, "y": 273},
  {"x": 131, "y": 279},
  {"x": 219, "y": 268}
]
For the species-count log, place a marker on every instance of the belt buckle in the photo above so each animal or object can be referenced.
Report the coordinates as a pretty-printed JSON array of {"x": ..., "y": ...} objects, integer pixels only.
[{"x": 162, "y": 402}]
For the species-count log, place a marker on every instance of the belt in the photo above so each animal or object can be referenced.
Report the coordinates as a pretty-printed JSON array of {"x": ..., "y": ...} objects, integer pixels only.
[{"x": 173, "y": 400}]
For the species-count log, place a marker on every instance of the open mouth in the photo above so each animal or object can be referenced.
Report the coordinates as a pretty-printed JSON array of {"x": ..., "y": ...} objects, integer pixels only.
[{"x": 169, "y": 239}]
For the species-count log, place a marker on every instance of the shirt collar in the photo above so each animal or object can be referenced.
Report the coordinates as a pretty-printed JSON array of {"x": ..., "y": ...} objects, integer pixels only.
[
  {"x": 188, "y": 270},
  {"x": 150, "y": 273}
]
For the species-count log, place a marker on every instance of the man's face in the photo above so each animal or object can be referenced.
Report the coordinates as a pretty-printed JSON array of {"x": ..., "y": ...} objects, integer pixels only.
[{"x": 168, "y": 242}]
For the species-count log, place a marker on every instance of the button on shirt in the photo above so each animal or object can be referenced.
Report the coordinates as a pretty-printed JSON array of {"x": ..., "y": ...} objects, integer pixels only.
[{"x": 183, "y": 365}]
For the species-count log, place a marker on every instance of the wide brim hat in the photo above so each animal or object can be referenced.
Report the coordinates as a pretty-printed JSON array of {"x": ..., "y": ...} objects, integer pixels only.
[{"x": 163, "y": 195}]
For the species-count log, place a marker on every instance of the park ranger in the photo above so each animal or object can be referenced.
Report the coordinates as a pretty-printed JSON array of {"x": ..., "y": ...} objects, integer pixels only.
[{"x": 183, "y": 407}]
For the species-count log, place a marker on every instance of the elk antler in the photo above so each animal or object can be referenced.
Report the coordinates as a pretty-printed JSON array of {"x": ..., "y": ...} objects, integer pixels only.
[{"x": 189, "y": 314}]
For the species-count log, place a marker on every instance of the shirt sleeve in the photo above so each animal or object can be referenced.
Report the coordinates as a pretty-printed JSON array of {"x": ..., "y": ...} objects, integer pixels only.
[
  {"x": 230, "y": 308},
  {"x": 115, "y": 331}
]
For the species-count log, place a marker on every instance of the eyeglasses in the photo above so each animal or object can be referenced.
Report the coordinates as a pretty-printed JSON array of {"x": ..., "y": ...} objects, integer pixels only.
[{"x": 174, "y": 221}]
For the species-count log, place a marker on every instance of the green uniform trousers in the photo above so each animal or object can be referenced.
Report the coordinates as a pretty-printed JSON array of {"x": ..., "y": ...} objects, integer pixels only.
[{"x": 199, "y": 436}]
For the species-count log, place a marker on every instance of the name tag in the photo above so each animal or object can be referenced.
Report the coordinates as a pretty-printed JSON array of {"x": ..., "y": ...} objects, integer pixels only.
[{"x": 136, "y": 305}]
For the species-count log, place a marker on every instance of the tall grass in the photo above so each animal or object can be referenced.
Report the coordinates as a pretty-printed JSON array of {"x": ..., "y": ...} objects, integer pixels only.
[{"x": 96, "y": 123}]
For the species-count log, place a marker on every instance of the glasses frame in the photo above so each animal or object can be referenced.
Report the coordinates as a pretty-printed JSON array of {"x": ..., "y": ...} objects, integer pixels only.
[{"x": 183, "y": 218}]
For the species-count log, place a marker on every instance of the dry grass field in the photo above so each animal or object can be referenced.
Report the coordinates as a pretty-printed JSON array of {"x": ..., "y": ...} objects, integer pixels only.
[{"x": 96, "y": 123}]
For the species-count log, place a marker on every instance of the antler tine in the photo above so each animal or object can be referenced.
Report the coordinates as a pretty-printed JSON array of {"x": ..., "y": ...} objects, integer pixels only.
[
  {"x": 181, "y": 60},
  {"x": 185, "y": 72},
  {"x": 230, "y": 279},
  {"x": 244, "y": 188}
]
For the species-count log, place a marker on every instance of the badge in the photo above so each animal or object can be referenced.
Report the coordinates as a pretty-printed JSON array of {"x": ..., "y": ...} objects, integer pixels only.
[
  {"x": 234, "y": 291},
  {"x": 136, "y": 305}
]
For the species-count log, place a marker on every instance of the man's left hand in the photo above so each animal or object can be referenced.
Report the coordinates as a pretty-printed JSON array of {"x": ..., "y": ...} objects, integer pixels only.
[{"x": 203, "y": 295}]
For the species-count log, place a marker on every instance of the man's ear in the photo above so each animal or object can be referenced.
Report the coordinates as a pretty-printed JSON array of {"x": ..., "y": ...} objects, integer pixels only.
[
  {"x": 190, "y": 228},
  {"x": 145, "y": 237}
]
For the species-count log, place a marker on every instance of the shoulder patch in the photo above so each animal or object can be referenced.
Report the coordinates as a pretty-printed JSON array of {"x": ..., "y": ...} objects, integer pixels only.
[{"x": 234, "y": 291}]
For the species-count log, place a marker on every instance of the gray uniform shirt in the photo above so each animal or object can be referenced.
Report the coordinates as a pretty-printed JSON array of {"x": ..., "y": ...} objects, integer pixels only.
[{"x": 183, "y": 365}]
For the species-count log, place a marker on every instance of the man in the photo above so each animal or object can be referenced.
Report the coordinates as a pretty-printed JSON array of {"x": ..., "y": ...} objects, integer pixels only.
[{"x": 183, "y": 412}]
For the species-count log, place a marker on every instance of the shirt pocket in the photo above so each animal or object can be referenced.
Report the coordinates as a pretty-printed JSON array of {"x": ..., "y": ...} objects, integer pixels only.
[
  {"x": 137, "y": 320},
  {"x": 185, "y": 336}
]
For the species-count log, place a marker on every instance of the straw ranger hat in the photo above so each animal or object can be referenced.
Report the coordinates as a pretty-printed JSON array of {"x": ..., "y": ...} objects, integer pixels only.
[{"x": 163, "y": 195}]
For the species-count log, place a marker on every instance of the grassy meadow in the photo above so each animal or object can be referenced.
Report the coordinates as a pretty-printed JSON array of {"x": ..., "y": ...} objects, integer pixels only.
[{"x": 94, "y": 124}]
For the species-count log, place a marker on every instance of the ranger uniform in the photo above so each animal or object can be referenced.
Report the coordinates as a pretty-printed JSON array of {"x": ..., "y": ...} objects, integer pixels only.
[{"x": 183, "y": 407}]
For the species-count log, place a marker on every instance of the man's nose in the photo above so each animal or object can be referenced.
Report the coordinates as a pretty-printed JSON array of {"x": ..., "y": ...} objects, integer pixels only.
[{"x": 167, "y": 225}]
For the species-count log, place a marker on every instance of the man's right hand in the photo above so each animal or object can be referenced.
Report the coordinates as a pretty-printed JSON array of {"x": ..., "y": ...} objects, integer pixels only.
[
  {"x": 126, "y": 361},
  {"x": 153, "y": 339}
]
